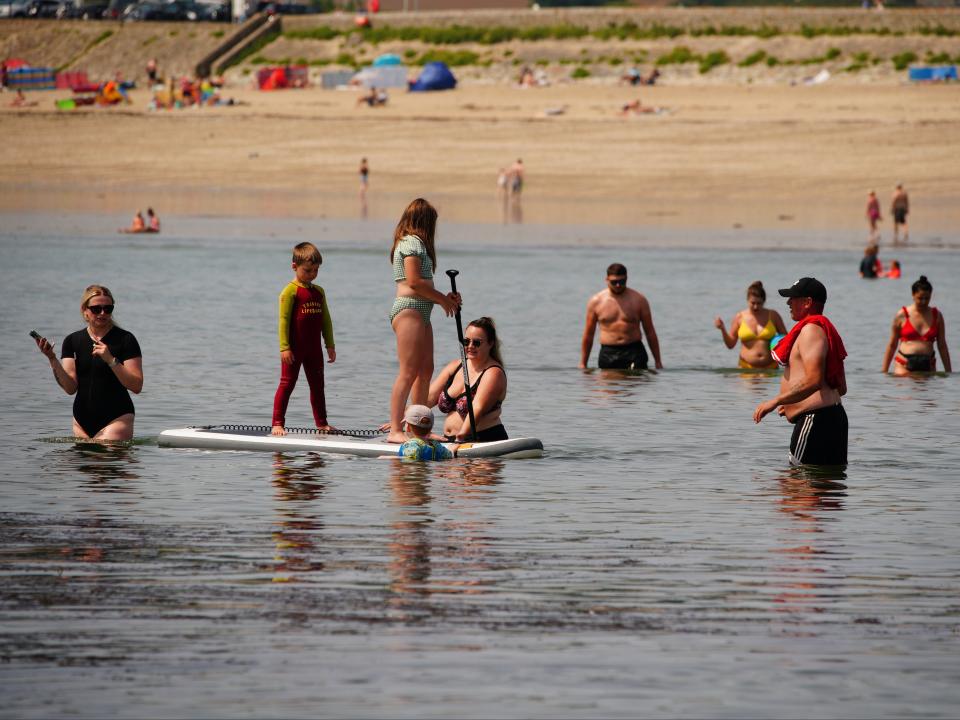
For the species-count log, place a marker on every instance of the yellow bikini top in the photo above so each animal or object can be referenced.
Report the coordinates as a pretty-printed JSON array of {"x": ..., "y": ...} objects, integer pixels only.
[{"x": 769, "y": 331}]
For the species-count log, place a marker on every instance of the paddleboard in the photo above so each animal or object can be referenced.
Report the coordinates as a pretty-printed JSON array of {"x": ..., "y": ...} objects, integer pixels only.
[{"x": 237, "y": 437}]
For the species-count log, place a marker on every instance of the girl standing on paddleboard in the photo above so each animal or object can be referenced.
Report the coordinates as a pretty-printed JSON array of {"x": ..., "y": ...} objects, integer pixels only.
[{"x": 414, "y": 258}]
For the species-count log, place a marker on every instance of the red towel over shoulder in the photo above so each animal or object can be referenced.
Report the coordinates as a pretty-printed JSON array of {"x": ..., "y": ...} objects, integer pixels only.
[{"x": 835, "y": 376}]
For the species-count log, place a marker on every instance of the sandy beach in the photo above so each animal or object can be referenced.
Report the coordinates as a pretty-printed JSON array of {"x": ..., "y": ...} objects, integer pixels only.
[{"x": 739, "y": 147}]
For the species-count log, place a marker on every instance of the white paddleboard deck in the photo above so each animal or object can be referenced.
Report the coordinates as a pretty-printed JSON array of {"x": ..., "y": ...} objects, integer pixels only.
[{"x": 239, "y": 438}]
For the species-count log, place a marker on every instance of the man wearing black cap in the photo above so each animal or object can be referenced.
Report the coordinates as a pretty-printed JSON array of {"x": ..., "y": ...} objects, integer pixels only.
[{"x": 813, "y": 380}]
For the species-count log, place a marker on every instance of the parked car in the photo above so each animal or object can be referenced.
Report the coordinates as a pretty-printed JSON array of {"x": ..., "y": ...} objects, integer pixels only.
[
  {"x": 163, "y": 11},
  {"x": 282, "y": 8},
  {"x": 82, "y": 9},
  {"x": 43, "y": 8},
  {"x": 13, "y": 8},
  {"x": 218, "y": 11}
]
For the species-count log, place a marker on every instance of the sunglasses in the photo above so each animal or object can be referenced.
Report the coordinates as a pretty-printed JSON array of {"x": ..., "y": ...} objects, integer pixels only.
[
  {"x": 475, "y": 342},
  {"x": 618, "y": 283},
  {"x": 97, "y": 309}
]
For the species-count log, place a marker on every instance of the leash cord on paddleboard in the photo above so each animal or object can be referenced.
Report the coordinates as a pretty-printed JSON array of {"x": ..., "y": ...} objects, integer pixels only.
[{"x": 297, "y": 430}]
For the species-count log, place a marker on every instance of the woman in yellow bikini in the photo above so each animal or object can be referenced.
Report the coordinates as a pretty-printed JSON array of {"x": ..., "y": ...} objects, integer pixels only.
[{"x": 755, "y": 327}]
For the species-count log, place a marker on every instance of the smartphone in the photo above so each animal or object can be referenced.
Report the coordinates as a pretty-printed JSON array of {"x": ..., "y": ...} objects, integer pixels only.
[{"x": 35, "y": 335}]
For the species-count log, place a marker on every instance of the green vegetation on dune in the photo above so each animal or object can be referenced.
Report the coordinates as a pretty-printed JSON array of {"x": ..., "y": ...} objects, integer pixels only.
[{"x": 496, "y": 34}]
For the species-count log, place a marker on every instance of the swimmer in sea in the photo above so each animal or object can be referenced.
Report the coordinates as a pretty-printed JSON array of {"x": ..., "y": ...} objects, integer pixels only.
[
  {"x": 620, "y": 312},
  {"x": 100, "y": 365},
  {"x": 755, "y": 327},
  {"x": 915, "y": 330}
]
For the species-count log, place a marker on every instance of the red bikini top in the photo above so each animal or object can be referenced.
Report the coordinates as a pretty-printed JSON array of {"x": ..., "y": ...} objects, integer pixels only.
[{"x": 909, "y": 333}]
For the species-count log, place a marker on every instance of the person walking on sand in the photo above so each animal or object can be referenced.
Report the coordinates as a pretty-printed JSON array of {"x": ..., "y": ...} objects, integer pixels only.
[
  {"x": 414, "y": 258},
  {"x": 813, "y": 380},
  {"x": 516, "y": 178},
  {"x": 899, "y": 207},
  {"x": 304, "y": 320},
  {"x": 873, "y": 215},
  {"x": 364, "y": 177},
  {"x": 620, "y": 312}
]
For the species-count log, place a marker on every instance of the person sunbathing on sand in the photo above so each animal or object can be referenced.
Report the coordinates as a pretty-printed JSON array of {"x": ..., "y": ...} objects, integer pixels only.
[
  {"x": 137, "y": 226},
  {"x": 637, "y": 108}
]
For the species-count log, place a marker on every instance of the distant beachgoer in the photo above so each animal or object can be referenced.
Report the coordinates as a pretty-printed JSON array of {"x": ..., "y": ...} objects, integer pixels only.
[
  {"x": 364, "y": 176},
  {"x": 894, "y": 271},
  {"x": 418, "y": 422},
  {"x": 813, "y": 380},
  {"x": 755, "y": 327},
  {"x": 502, "y": 180},
  {"x": 414, "y": 258},
  {"x": 873, "y": 214},
  {"x": 152, "y": 70},
  {"x": 638, "y": 108},
  {"x": 374, "y": 98},
  {"x": 488, "y": 387},
  {"x": 651, "y": 78},
  {"x": 101, "y": 365},
  {"x": 137, "y": 225},
  {"x": 899, "y": 207},
  {"x": 914, "y": 331},
  {"x": 153, "y": 225},
  {"x": 620, "y": 312},
  {"x": 21, "y": 101},
  {"x": 870, "y": 266},
  {"x": 632, "y": 76},
  {"x": 304, "y": 320},
  {"x": 516, "y": 178}
]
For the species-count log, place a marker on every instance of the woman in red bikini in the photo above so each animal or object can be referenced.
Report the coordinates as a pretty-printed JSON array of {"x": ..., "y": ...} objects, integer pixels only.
[{"x": 914, "y": 331}]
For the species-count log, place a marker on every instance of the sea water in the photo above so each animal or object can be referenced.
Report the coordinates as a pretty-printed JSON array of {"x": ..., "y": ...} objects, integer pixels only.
[{"x": 661, "y": 560}]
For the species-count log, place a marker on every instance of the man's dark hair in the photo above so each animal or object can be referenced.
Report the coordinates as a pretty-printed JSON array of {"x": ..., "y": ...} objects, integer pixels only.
[{"x": 616, "y": 269}]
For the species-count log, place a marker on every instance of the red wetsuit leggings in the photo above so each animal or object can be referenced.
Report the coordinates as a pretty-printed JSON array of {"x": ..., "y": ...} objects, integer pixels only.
[{"x": 313, "y": 369}]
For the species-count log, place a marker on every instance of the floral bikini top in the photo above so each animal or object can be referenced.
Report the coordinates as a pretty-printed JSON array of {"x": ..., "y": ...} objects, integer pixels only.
[{"x": 447, "y": 404}]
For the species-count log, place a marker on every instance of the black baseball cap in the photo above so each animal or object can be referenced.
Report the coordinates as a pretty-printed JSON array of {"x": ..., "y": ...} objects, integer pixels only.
[{"x": 806, "y": 287}]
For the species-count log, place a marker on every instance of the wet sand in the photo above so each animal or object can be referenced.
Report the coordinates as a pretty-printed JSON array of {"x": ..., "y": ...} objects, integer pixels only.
[{"x": 774, "y": 157}]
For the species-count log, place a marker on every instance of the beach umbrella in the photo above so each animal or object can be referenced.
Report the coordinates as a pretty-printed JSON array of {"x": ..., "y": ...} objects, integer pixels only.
[{"x": 387, "y": 59}]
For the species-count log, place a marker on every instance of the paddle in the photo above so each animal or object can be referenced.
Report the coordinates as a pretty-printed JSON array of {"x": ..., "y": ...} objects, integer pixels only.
[{"x": 463, "y": 358}]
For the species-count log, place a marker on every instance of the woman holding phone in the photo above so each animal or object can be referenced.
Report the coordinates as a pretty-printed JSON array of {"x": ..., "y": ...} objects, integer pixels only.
[{"x": 100, "y": 365}]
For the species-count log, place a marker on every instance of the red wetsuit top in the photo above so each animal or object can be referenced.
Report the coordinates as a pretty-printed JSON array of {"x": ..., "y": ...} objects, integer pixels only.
[
  {"x": 909, "y": 333},
  {"x": 304, "y": 318}
]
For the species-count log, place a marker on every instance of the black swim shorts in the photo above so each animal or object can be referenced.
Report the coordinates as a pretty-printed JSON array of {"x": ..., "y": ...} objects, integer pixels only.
[
  {"x": 623, "y": 357},
  {"x": 820, "y": 437},
  {"x": 899, "y": 216}
]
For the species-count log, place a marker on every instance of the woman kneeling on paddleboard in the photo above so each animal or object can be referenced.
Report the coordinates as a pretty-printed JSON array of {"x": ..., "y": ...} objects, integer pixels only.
[
  {"x": 488, "y": 390},
  {"x": 101, "y": 365}
]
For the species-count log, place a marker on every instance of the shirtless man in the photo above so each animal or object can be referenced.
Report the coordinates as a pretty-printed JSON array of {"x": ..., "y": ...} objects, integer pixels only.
[
  {"x": 899, "y": 207},
  {"x": 621, "y": 312},
  {"x": 813, "y": 380}
]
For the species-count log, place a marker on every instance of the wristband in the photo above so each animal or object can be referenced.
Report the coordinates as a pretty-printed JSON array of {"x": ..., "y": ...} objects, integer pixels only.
[{"x": 114, "y": 363}]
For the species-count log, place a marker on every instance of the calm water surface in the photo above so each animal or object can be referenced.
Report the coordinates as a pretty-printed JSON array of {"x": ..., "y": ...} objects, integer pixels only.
[{"x": 661, "y": 560}]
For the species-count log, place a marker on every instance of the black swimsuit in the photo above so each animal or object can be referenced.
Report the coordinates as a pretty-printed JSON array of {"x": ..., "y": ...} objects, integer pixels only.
[
  {"x": 447, "y": 404},
  {"x": 101, "y": 398}
]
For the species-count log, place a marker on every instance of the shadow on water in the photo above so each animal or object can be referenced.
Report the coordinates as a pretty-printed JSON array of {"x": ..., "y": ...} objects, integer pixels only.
[
  {"x": 109, "y": 468},
  {"x": 440, "y": 535},
  {"x": 804, "y": 577},
  {"x": 298, "y": 487}
]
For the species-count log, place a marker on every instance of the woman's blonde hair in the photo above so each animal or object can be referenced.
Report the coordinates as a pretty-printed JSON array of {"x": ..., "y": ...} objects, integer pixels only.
[
  {"x": 91, "y": 292},
  {"x": 420, "y": 219}
]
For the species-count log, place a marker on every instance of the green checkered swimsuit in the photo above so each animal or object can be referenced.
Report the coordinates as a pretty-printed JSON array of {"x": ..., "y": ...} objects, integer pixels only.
[{"x": 412, "y": 246}]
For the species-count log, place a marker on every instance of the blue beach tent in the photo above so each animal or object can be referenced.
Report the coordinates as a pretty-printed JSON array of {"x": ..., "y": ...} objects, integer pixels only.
[
  {"x": 434, "y": 76},
  {"x": 935, "y": 73},
  {"x": 387, "y": 59}
]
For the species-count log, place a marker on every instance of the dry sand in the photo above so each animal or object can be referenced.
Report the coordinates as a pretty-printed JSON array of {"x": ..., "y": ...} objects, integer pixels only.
[{"x": 759, "y": 156}]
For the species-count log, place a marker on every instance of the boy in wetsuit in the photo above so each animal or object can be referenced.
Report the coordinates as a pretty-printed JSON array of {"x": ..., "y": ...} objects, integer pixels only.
[
  {"x": 304, "y": 319},
  {"x": 418, "y": 422}
]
